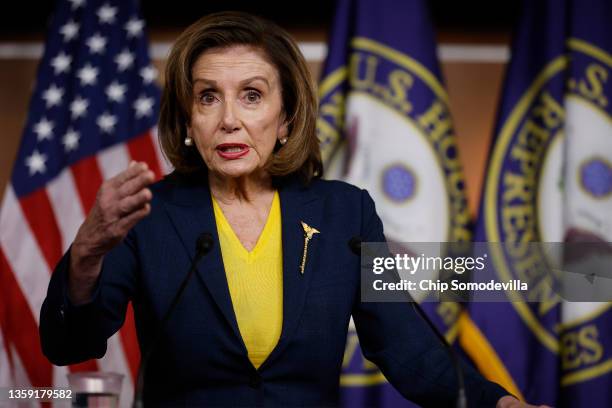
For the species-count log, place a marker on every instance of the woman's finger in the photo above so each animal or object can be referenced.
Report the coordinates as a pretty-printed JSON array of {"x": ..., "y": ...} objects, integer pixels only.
[
  {"x": 133, "y": 202},
  {"x": 134, "y": 169},
  {"x": 136, "y": 183},
  {"x": 126, "y": 223}
]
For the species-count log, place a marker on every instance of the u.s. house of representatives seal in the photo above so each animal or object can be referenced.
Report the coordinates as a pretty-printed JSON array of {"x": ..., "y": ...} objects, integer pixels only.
[
  {"x": 528, "y": 199},
  {"x": 399, "y": 144},
  {"x": 384, "y": 124}
]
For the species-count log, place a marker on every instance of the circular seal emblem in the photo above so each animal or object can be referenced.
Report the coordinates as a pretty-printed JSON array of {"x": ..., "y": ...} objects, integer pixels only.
[
  {"x": 384, "y": 124},
  {"x": 528, "y": 200}
]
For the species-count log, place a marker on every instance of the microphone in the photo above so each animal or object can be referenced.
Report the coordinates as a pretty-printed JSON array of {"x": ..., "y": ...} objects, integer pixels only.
[
  {"x": 355, "y": 245},
  {"x": 204, "y": 244}
]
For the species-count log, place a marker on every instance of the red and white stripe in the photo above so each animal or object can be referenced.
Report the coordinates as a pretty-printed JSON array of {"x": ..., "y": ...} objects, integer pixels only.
[{"x": 35, "y": 231}]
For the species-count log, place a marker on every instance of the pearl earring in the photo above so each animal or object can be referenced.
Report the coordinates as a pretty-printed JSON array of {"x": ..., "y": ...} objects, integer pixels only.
[
  {"x": 188, "y": 141},
  {"x": 283, "y": 140}
]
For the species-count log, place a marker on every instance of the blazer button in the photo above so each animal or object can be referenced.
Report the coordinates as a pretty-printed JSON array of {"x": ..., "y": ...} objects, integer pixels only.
[{"x": 255, "y": 381}]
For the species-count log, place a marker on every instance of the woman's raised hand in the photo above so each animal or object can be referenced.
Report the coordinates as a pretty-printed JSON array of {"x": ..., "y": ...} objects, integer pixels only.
[{"x": 121, "y": 202}]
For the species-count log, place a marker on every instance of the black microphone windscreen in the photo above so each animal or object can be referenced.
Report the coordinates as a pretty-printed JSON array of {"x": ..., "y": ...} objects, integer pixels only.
[
  {"x": 204, "y": 243},
  {"x": 355, "y": 245}
]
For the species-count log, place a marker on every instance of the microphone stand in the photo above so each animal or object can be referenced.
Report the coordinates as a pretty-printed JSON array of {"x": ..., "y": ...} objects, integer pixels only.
[
  {"x": 204, "y": 245},
  {"x": 355, "y": 246}
]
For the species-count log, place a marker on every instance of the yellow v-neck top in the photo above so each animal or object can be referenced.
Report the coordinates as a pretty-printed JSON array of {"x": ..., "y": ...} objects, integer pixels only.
[{"x": 255, "y": 281}]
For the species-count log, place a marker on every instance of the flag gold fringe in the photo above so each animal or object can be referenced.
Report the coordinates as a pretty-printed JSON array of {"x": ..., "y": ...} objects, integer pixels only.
[{"x": 476, "y": 345}]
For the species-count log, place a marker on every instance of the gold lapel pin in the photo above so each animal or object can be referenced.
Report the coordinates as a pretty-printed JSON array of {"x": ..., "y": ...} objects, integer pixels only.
[{"x": 308, "y": 234}]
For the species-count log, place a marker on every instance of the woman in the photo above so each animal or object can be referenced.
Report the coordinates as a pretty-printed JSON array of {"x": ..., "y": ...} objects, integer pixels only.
[{"x": 264, "y": 321}]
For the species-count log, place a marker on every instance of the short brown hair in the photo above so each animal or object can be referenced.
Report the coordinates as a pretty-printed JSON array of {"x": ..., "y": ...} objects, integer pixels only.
[{"x": 301, "y": 154}]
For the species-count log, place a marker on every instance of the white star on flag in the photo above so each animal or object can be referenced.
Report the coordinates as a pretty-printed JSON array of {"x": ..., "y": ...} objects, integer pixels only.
[
  {"x": 143, "y": 106},
  {"x": 53, "y": 96},
  {"x": 134, "y": 27},
  {"x": 115, "y": 91},
  {"x": 44, "y": 129},
  {"x": 76, "y": 3},
  {"x": 70, "y": 140},
  {"x": 106, "y": 14},
  {"x": 148, "y": 74},
  {"x": 61, "y": 63},
  {"x": 124, "y": 60},
  {"x": 36, "y": 162},
  {"x": 69, "y": 30},
  {"x": 78, "y": 107},
  {"x": 96, "y": 44},
  {"x": 106, "y": 122},
  {"x": 88, "y": 75}
]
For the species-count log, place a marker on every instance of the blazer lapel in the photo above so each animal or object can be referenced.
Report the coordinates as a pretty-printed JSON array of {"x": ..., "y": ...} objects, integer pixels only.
[
  {"x": 190, "y": 210},
  {"x": 297, "y": 204},
  {"x": 192, "y": 214}
]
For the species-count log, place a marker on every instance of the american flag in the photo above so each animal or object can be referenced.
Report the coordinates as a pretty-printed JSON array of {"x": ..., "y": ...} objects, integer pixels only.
[{"x": 93, "y": 109}]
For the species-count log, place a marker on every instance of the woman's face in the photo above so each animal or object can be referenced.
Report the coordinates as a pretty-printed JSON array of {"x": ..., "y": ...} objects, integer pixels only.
[{"x": 237, "y": 114}]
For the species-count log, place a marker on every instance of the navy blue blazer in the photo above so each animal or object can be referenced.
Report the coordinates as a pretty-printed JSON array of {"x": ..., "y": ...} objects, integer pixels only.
[{"x": 201, "y": 359}]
